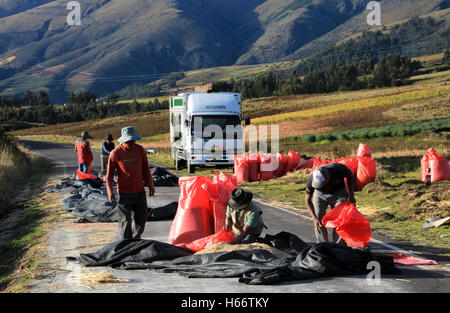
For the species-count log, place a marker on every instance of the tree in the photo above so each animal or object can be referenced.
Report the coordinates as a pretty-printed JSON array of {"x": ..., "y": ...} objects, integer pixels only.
[
  {"x": 446, "y": 58},
  {"x": 43, "y": 98}
]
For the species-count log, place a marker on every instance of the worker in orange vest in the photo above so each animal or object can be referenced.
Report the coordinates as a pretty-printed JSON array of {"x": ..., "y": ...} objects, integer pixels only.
[{"x": 83, "y": 149}]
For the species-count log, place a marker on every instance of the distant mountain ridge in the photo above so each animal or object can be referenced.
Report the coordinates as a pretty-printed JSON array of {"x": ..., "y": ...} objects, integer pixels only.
[{"x": 121, "y": 42}]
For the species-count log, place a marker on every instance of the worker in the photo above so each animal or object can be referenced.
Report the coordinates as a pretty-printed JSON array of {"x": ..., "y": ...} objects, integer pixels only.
[
  {"x": 243, "y": 216},
  {"x": 129, "y": 161},
  {"x": 326, "y": 186},
  {"x": 107, "y": 147},
  {"x": 83, "y": 149}
]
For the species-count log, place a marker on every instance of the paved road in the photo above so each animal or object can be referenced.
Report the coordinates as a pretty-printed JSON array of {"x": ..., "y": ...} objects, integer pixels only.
[{"x": 412, "y": 278}]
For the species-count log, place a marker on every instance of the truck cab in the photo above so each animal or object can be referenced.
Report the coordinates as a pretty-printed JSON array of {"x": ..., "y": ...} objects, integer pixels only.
[{"x": 205, "y": 129}]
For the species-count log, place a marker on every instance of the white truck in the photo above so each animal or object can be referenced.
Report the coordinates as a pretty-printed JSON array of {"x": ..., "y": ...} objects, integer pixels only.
[{"x": 205, "y": 129}]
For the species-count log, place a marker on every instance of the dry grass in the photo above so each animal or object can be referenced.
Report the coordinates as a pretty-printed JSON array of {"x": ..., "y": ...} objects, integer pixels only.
[
  {"x": 14, "y": 169},
  {"x": 95, "y": 278}
]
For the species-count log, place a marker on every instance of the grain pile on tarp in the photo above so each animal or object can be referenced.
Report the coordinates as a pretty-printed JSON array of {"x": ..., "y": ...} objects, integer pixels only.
[
  {"x": 88, "y": 199},
  {"x": 254, "y": 266}
]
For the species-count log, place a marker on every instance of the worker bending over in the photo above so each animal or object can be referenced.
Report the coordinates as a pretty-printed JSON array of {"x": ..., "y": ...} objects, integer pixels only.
[{"x": 326, "y": 186}]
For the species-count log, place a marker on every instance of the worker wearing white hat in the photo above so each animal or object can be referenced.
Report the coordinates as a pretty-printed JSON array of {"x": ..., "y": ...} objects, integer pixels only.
[{"x": 326, "y": 186}]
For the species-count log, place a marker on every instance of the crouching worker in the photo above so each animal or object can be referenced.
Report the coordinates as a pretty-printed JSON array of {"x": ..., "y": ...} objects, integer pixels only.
[
  {"x": 243, "y": 217},
  {"x": 129, "y": 161},
  {"x": 326, "y": 187}
]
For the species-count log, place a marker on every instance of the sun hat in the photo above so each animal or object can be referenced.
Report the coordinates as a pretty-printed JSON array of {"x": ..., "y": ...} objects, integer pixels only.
[
  {"x": 109, "y": 137},
  {"x": 320, "y": 176},
  {"x": 128, "y": 133},
  {"x": 240, "y": 198}
]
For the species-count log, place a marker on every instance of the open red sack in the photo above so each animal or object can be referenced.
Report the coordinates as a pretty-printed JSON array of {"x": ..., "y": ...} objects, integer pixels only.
[
  {"x": 253, "y": 167},
  {"x": 293, "y": 161},
  {"x": 350, "y": 224},
  {"x": 266, "y": 166},
  {"x": 241, "y": 167},
  {"x": 438, "y": 165},
  {"x": 206, "y": 242},
  {"x": 81, "y": 175},
  {"x": 227, "y": 180},
  {"x": 282, "y": 162},
  {"x": 363, "y": 151},
  {"x": 193, "y": 218},
  {"x": 219, "y": 192}
]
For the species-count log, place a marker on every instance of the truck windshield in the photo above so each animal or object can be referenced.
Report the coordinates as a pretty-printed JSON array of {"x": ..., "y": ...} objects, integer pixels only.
[{"x": 221, "y": 121}]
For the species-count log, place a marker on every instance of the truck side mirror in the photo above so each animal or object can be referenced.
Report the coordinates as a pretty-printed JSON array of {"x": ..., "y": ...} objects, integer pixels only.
[
  {"x": 186, "y": 122},
  {"x": 247, "y": 121}
]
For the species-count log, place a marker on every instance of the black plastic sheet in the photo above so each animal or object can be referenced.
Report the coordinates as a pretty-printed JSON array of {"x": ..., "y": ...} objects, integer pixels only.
[
  {"x": 253, "y": 267},
  {"x": 92, "y": 205}
]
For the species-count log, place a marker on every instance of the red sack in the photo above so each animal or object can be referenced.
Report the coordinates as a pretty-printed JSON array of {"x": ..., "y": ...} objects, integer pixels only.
[
  {"x": 193, "y": 218},
  {"x": 351, "y": 163},
  {"x": 366, "y": 172},
  {"x": 282, "y": 162},
  {"x": 438, "y": 165},
  {"x": 293, "y": 161},
  {"x": 227, "y": 180},
  {"x": 219, "y": 192},
  {"x": 318, "y": 162},
  {"x": 363, "y": 151},
  {"x": 308, "y": 163},
  {"x": 81, "y": 175},
  {"x": 350, "y": 224},
  {"x": 253, "y": 167},
  {"x": 241, "y": 167},
  {"x": 266, "y": 166},
  {"x": 206, "y": 242}
]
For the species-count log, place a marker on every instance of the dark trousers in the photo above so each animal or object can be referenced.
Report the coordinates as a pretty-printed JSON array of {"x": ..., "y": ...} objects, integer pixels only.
[
  {"x": 132, "y": 203},
  {"x": 83, "y": 167},
  {"x": 321, "y": 201},
  {"x": 104, "y": 161}
]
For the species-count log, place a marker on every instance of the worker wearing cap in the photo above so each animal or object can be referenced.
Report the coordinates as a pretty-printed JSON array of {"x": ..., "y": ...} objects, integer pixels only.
[
  {"x": 326, "y": 186},
  {"x": 84, "y": 153},
  {"x": 107, "y": 147},
  {"x": 243, "y": 217},
  {"x": 129, "y": 161}
]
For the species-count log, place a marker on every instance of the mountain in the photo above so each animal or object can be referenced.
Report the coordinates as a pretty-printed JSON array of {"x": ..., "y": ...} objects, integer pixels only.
[{"x": 121, "y": 42}]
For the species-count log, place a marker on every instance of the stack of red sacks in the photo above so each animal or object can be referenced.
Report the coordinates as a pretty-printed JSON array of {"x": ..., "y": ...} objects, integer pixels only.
[
  {"x": 435, "y": 167},
  {"x": 362, "y": 166},
  {"x": 264, "y": 166},
  {"x": 201, "y": 212}
]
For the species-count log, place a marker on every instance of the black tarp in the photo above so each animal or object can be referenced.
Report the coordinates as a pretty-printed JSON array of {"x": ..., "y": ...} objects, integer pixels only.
[
  {"x": 254, "y": 267},
  {"x": 90, "y": 202}
]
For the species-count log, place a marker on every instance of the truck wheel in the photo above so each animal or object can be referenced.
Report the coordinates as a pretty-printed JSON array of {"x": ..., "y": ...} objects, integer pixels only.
[{"x": 190, "y": 167}]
